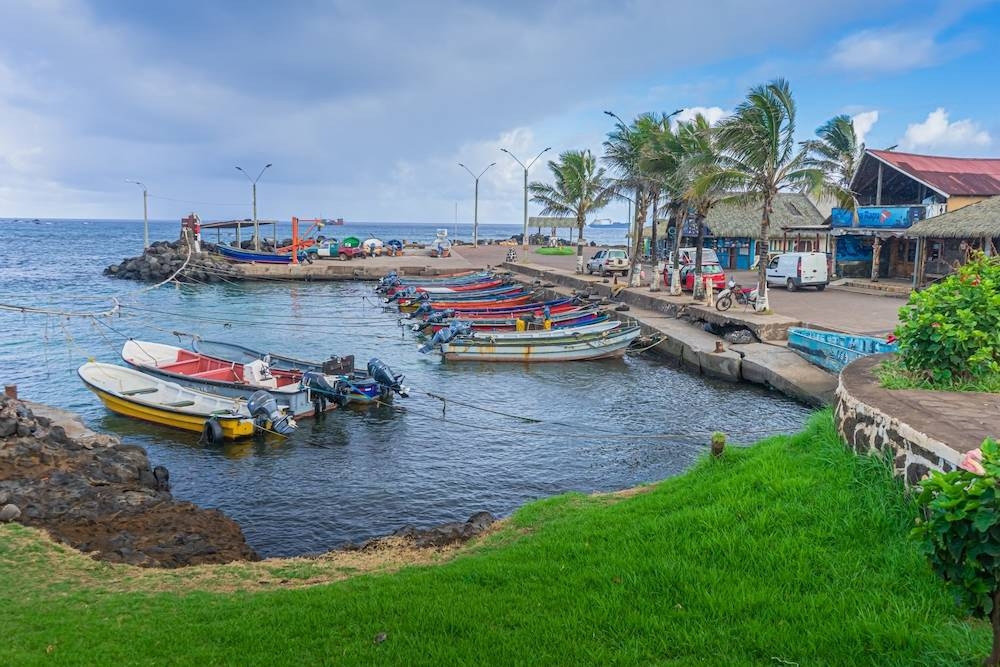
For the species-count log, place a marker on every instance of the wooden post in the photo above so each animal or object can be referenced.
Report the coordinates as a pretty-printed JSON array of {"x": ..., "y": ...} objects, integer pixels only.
[
  {"x": 295, "y": 240},
  {"x": 10, "y": 391},
  {"x": 876, "y": 251}
]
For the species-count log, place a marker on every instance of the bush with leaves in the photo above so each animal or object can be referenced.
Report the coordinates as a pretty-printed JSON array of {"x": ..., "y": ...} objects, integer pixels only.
[
  {"x": 961, "y": 533},
  {"x": 950, "y": 334}
]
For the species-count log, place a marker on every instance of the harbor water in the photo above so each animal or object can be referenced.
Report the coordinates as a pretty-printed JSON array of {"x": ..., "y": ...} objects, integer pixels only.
[{"x": 471, "y": 436}]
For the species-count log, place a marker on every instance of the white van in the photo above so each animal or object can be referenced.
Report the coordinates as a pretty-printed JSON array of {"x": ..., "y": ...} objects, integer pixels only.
[{"x": 798, "y": 269}]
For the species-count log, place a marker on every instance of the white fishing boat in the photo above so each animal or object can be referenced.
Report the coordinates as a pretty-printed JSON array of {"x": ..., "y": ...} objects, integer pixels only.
[
  {"x": 301, "y": 393},
  {"x": 135, "y": 394},
  {"x": 603, "y": 344}
]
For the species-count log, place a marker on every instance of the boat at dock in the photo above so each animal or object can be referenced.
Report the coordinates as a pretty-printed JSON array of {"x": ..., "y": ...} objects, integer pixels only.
[
  {"x": 302, "y": 394},
  {"x": 832, "y": 350},
  {"x": 378, "y": 383},
  {"x": 597, "y": 341},
  {"x": 393, "y": 279},
  {"x": 135, "y": 394}
]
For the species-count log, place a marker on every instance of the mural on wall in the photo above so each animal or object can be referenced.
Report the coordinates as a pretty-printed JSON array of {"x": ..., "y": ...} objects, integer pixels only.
[{"x": 854, "y": 248}]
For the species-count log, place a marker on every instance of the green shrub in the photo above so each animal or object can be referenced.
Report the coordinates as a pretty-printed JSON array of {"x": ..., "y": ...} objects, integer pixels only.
[
  {"x": 951, "y": 331},
  {"x": 961, "y": 535}
]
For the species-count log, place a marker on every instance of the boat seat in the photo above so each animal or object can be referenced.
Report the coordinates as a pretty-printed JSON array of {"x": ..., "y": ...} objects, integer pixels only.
[
  {"x": 179, "y": 404},
  {"x": 142, "y": 390}
]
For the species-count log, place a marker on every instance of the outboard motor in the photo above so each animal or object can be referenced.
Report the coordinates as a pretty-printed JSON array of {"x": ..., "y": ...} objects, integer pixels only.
[
  {"x": 387, "y": 282},
  {"x": 436, "y": 317},
  {"x": 406, "y": 293},
  {"x": 422, "y": 309},
  {"x": 267, "y": 414},
  {"x": 445, "y": 335},
  {"x": 331, "y": 387},
  {"x": 389, "y": 381}
]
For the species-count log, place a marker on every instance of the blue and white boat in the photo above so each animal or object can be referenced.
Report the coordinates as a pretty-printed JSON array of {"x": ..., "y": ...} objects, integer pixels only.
[{"x": 833, "y": 351}]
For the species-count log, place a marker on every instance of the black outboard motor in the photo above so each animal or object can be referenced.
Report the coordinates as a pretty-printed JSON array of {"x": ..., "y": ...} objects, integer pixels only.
[
  {"x": 437, "y": 317},
  {"x": 408, "y": 292},
  {"x": 329, "y": 387},
  {"x": 445, "y": 335},
  {"x": 422, "y": 309},
  {"x": 265, "y": 411},
  {"x": 390, "y": 382},
  {"x": 387, "y": 282}
]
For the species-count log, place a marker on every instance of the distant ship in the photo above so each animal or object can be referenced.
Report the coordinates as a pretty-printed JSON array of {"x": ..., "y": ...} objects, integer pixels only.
[{"x": 608, "y": 224}]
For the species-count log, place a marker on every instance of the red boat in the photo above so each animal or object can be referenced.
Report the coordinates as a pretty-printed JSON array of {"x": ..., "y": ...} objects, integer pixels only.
[
  {"x": 510, "y": 324},
  {"x": 466, "y": 306}
]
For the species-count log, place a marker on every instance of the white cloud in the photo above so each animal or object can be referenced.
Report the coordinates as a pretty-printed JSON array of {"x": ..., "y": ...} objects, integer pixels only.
[
  {"x": 887, "y": 50},
  {"x": 712, "y": 114},
  {"x": 937, "y": 133},
  {"x": 863, "y": 123}
]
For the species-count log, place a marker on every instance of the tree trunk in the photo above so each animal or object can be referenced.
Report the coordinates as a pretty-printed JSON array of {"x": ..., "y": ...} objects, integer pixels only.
[
  {"x": 994, "y": 659},
  {"x": 659, "y": 265},
  {"x": 763, "y": 246},
  {"x": 876, "y": 256},
  {"x": 675, "y": 272},
  {"x": 641, "y": 206},
  {"x": 699, "y": 280},
  {"x": 654, "y": 284},
  {"x": 580, "y": 221}
]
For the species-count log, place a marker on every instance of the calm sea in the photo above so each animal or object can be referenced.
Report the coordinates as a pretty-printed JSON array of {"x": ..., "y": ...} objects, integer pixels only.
[{"x": 353, "y": 475}]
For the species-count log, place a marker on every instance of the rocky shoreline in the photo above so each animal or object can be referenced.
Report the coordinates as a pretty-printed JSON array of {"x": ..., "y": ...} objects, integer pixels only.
[
  {"x": 102, "y": 497},
  {"x": 164, "y": 258}
]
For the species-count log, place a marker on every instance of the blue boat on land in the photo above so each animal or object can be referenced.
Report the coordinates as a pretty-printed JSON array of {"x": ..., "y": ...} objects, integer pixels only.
[
  {"x": 833, "y": 351},
  {"x": 240, "y": 255}
]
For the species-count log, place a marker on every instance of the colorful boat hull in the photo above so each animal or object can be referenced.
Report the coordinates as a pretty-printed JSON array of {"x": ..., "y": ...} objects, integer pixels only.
[
  {"x": 614, "y": 344},
  {"x": 833, "y": 351}
]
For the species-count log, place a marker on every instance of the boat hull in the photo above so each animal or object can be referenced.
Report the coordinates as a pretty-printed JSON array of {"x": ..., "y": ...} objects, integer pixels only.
[
  {"x": 233, "y": 428},
  {"x": 833, "y": 351},
  {"x": 585, "y": 349}
]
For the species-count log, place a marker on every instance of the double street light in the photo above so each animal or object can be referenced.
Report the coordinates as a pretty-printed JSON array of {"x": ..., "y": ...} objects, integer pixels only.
[
  {"x": 253, "y": 192},
  {"x": 475, "y": 214},
  {"x": 145, "y": 211},
  {"x": 524, "y": 239}
]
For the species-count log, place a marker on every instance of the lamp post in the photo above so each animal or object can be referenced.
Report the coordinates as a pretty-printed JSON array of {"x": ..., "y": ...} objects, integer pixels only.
[
  {"x": 145, "y": 212},
  {"x": 524, "y": 238},
  {"x": 253, "y": 193},
  {"x": 475, "y": 213}
]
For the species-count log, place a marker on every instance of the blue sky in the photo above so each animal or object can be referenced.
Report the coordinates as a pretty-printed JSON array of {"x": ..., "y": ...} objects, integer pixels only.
[{"x": 365, "y": 108}]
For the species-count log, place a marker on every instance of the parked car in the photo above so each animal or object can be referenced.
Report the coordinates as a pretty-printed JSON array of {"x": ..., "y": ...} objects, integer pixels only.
[
  {"x": 606, "y": 262},
  {"x": 331, "y": 248},
  {"x": 798, "y": 269},
  {"x": 687, "y": 256},
  {"x": 711, "y": 272}
]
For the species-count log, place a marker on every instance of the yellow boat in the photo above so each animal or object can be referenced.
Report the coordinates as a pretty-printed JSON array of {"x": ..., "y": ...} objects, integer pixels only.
[{"x": 128, "y": 392}]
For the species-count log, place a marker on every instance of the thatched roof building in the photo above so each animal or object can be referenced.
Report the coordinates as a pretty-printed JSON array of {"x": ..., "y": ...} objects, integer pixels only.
[
  {"x": 791, "y": 212},
  {"x": 981, "y": 220}
]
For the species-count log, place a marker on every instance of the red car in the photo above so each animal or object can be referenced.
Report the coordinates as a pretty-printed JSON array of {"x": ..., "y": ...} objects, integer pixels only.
[{"x": 710, "y": 272}]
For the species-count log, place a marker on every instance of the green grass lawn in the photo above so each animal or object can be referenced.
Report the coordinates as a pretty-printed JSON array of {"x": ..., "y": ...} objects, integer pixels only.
[{"x": 793, "y": 551}]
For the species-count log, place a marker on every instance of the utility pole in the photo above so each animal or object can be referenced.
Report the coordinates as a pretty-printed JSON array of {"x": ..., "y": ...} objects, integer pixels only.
[
  {"x": 524, "y": 238},
  {"x": 253, "y": 194},
  {"x": 475, "y": 210},
  {"x": 145, "y": 212}
]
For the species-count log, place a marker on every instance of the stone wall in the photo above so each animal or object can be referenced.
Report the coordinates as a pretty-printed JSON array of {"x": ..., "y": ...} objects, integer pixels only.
[{"x": 870, "y": 419}]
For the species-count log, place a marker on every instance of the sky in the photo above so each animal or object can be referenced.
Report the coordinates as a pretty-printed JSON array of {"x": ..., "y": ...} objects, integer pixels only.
[{"x": 365, "y": 109}]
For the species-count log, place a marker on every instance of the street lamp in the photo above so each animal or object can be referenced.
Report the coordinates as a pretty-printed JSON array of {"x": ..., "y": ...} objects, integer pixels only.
[
  {"x": 253, "y": 191},
  {"x": 145, "y": 211},
  {"x": 475, "y": 214},
  {"x": 524, "y": 238}
]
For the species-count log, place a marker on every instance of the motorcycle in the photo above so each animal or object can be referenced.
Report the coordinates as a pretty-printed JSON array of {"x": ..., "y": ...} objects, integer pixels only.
[{"x": 733, "y": 292}]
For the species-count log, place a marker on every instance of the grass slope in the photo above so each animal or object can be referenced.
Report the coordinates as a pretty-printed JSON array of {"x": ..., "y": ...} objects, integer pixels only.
[{"x": 794, "y": 550}]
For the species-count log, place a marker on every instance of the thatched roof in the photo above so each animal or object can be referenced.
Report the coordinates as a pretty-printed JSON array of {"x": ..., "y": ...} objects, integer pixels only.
[
  {"x": 733, "y": 221},
  {"x": 544, "y": 222},
  {"x": 968, "y": 222}
]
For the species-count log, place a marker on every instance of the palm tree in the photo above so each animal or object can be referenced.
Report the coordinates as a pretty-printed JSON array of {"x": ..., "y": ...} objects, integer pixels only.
[
  {"x": 760, "y": 158},
  {"x": 581, "y": 187},
  {"x": 622, "y": 152},
  {"x": 700, "y": 160},
  {"x": 662, "y": 159},
  {"x": 837, "y": 152}
]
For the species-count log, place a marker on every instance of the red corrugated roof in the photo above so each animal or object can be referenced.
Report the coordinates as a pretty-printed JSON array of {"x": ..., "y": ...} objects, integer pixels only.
[{"x": 950, "y": 175}]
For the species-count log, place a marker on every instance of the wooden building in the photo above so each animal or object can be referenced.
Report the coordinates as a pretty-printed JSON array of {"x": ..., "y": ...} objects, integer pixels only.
[
  {"x": 946, "y": 241},
  {"x": 895, "y": 191}
]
